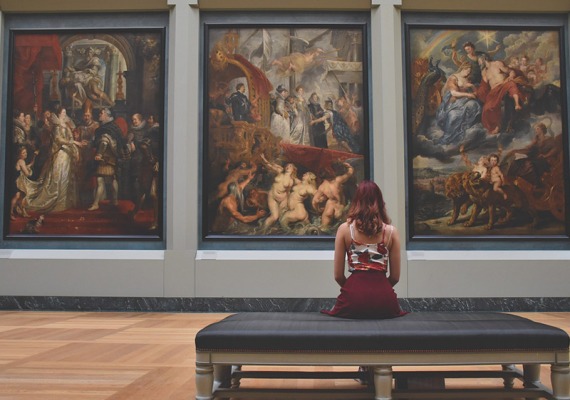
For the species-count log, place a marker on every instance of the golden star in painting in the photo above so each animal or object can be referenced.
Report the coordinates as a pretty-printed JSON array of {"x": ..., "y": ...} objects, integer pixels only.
[{"x": 488, "y": 37}]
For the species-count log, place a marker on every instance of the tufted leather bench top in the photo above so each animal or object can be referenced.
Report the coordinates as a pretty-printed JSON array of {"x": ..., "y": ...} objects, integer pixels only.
[{"x": 414, "y": 332}]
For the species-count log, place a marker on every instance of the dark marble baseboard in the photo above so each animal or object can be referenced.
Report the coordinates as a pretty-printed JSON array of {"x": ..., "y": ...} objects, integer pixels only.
[{"x": 223, "y": 305}]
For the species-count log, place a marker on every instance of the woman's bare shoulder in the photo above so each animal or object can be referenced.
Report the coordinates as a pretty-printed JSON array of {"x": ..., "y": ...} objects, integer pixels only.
[{"x": 343, "y": 228}]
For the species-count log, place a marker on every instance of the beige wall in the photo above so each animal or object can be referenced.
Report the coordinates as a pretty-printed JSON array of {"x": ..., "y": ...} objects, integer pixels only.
[{"x": 183, "y": 271}]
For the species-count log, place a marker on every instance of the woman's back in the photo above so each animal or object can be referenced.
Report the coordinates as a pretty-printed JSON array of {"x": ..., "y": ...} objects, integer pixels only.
[
  {"x": 369, "y": 252},
  {"x": 373, "y": 250}
]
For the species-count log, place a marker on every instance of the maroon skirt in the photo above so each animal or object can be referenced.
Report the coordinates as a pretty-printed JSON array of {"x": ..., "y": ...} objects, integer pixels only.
[{"x": 366, "y": 294}]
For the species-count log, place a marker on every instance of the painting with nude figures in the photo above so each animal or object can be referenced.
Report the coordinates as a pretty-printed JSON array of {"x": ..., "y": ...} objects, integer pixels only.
[
  {"x": 486, "y": 127},
  {"x": 285, "y": 128}
]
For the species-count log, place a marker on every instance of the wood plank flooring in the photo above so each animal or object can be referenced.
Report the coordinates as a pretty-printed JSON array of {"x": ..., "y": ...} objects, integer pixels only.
[{"x": 119, "y": 356}]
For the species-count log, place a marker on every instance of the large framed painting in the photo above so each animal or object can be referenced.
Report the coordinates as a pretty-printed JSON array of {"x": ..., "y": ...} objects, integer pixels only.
[
  {"x": 285, "y": 124},
  {"x": 486, "y": 127},
  {"x": 84, "y": 128}
]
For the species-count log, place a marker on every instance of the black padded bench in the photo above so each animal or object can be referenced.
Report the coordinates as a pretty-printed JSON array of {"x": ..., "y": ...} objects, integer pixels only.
[{"x": 416, "y": 339}]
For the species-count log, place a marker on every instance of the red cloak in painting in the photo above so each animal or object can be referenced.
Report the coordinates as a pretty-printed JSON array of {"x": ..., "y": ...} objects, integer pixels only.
[
  {"x": 315, "y": 158},
  {"x": 492, "y": 100}
]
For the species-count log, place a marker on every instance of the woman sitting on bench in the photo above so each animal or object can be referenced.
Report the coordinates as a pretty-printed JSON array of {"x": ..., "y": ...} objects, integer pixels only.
[{"x": 372, "y": 247}]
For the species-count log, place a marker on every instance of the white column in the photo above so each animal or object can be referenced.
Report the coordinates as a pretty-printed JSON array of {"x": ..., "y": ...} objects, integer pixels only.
[
  {"x": 387, "y": 111},
  {"x": 182, "y": 149}
]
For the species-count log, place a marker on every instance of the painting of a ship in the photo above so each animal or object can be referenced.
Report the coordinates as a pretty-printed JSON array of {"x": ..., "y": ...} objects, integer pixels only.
[{"x": 285, "y": 132}]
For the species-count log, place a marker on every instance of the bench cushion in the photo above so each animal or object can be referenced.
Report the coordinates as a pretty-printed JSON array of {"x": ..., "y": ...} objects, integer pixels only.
[{"x": 414, "y": 332}]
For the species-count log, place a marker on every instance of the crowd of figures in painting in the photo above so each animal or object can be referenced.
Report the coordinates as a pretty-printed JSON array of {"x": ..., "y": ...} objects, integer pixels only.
[
  {"x": 85, "y": 140},
  {"x": 286, "y": 132},
  {"x": 485, "y": 129}
]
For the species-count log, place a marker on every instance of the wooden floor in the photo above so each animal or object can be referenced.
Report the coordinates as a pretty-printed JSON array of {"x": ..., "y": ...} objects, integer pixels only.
[{"x": 112, "y": 356}]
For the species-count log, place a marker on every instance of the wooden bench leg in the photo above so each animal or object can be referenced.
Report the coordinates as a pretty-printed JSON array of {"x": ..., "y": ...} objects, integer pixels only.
[
  {"x": 383, "y": 383},
  {"x": 560, "y": 375},
  {"x": 204, "y": 381},
  {"x": 508, "y": 382},
  {"x": 531, "y": 375}
]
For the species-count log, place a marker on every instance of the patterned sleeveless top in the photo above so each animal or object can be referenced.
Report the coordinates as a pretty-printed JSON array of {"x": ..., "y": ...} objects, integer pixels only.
[{"x": 367, "y": 256}]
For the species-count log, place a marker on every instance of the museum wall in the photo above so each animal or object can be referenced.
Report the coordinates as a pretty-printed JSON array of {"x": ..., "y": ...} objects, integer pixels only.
[{"x": 183, "y": 270}]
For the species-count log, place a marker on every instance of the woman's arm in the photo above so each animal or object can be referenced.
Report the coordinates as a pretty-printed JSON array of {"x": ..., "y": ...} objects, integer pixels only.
[
  {"x": 340, "y": 254},
  {"x": 454, "y": 56},
  {"x": 322, "y": 119},
  {"x": 394, "y": 258},
  {"x": 274, "y": 167}
]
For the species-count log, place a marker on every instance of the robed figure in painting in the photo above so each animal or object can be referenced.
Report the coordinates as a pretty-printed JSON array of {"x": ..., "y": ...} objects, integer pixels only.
[{"x": 56, "y": 189}]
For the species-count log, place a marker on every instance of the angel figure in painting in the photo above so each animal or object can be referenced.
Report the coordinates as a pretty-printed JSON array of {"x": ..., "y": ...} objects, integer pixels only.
[{"x": 298, "y": 62}]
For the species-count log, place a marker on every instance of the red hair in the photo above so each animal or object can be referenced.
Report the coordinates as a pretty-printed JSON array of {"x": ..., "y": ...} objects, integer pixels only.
[{"x": 368, "y": 210}]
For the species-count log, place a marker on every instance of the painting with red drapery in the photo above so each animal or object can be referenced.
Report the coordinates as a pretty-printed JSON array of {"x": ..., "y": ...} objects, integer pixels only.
[
  {"x": 84, "y": 132},
  {"x": 487, "y": 129},
  {"x": 33, "y": 54},
  {"x": 285, "y": 127}
]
